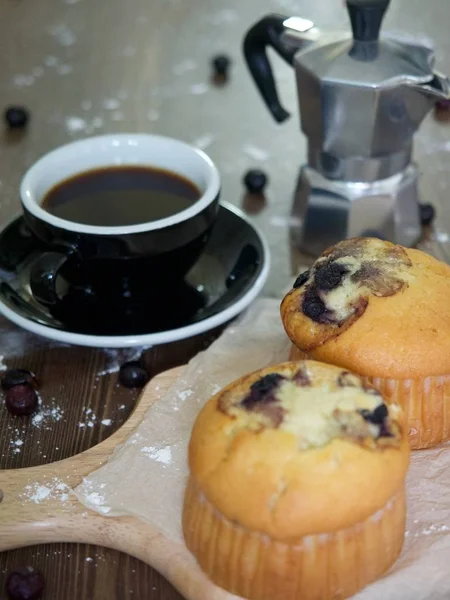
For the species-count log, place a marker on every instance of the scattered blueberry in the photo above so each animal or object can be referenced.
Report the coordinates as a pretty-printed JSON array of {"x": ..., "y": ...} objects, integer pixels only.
[
  {"x": 255, "y": 181},
  {"x": 221, "y": 64},
  {"x": 427, "y": 214},
  {"x": 16, "y": 116},
  {"x": 133, "y": 375},
  {"x": 442, "y": 105},
  {"x": 14, "y": 377},
  {"x": 21, "y": 400},
  {"x": 301, "y": 279},
  {"x": 25, "y": 584}
]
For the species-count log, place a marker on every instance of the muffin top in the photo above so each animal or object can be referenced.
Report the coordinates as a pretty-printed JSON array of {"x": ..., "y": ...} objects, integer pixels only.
[
  {"x": 299, "y": 448},
  {"x": 375, "y": 308}
]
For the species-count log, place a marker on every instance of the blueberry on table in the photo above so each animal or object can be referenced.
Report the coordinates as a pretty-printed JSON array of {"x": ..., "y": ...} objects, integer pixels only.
[
  {"x": 427, "y": 214},
  {"x": 13, "y": 377},
  {"x": 133, "y": 375},
  {"x": 21, "y": 400},
  {"x": 255, "y": 181},
  {"x": 25, "y": 584},
  {"x": 16, "y": 117},
  {"x": 221, "y": 65},
  {"x": 442, "y": 105}
]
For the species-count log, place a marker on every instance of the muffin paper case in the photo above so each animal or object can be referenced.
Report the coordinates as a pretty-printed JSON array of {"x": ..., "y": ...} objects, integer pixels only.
[
  {"x": 323, "y": 566},
  {"x": 381, "y": 311},
  {"x": 297, "y": 484}
]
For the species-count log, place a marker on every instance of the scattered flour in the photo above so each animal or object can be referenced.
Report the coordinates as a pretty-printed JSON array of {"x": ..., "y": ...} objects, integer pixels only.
[
  {"x": 47, "y": 415},
  {"x": 38, "y": 71},
  {"x": 23, "y": 80},
  {"x": 432, "y": 530},
  {"x": 184, "y": 67},
  {"x": 50, "y": 61},
  {"x": 63, "y": 35},
  {"x": 153, "y": 115},
  {"x": 90, "y": 418},
  {"x": 111, "y": 104},
  {"x": 16, "y": 444},
  {"x": 97, "y": 122},
  {"x": 95, "y": 499},
  {"x": 117, "y": 115},
  {"x": 199, "y": 88},
  {"x": 64, "y": 69},
  {"x": 204, "y": 141},
  {"x": 162, "y": 455},
  {"x": 255, "y": 152},
  {"x": 55, "y": 488},
  {"x": 75, "y": 124},
  {"x": 185, "y": 394},
  {"x": 116, "y": 358}
]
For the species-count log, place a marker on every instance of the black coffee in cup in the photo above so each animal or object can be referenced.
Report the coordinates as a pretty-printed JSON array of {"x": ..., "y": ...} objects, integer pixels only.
[
  {"x": 120, "y": 195},
  {"x": 123, "y": 217}
]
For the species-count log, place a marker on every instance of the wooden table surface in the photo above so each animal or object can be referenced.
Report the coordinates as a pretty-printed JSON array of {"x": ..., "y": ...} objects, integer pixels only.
[{"x": 84, "y": 67}]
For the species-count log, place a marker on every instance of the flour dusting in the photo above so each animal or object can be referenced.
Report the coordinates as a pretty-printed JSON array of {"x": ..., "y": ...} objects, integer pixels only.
[
  {"x": 116, "y": 358},
  {"x": 95, "y": 499},
  {"x": 52, "y": 489},
  {"x": 199, "y": 88},
  {"x": 162, "y": 455},
  {"x": 63, "y": 35},
  {"x": 255, "y": 152}
]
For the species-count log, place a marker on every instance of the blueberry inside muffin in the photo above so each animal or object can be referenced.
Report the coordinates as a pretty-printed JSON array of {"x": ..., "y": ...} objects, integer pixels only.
[
  {"x": 315, "y": 409},
  {"x": 339, "y": 283}
]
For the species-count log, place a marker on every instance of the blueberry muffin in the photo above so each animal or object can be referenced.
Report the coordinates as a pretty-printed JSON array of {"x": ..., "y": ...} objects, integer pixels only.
[
  {"x": 296, "y": 486},
  {"x": 382, "y": 311}
]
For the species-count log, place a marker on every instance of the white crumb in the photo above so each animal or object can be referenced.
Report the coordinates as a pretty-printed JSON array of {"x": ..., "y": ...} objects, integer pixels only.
[
  {"x": 255, "y": 152},
  {"x": 162, "y": 455}
]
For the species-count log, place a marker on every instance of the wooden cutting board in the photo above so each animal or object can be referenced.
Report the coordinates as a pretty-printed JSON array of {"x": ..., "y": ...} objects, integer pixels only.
[{"x": 25, "y": 523}]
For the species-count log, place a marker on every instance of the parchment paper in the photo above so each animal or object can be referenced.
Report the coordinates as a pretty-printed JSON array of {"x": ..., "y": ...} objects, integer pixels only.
[{"x": 157, "y": 452}]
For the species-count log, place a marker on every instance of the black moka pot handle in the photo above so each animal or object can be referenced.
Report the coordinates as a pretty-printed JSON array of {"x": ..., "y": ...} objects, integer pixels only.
[
  {"x": 267, "y": 33},
  {"x": 366, "y": 17}
]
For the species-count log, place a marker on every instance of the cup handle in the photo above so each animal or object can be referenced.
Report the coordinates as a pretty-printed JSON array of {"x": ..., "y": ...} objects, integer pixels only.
[{"x": 43, "y": 277}]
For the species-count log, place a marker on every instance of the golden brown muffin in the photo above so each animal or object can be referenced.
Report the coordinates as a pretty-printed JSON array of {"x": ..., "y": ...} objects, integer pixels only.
[
  {"x": 296, "y": 487},
  {"x": 382, "y": 311}
]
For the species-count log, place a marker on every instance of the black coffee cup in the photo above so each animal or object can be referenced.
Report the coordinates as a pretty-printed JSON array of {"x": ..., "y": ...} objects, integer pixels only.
[{"x": 102, "y": 260}]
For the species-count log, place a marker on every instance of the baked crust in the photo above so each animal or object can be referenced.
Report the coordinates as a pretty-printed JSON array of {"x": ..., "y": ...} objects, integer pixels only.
[
  {"x": 397, "y": 314},
  {"x": 263, "y": 478}
]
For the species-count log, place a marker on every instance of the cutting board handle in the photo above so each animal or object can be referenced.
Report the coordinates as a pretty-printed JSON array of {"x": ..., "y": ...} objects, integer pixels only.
[{"x": 28, "y": 516}]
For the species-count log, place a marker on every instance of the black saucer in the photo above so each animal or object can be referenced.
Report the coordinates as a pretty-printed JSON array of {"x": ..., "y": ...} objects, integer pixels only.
[{"x": 225, "y": 279}]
